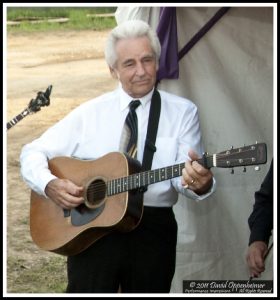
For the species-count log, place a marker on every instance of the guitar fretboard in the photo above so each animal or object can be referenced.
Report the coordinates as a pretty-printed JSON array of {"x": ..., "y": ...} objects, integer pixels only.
[
  {"x": 142, "y": 179},
  {"x": 16, "y": 119},
  {"x": 244, "y": 156}
]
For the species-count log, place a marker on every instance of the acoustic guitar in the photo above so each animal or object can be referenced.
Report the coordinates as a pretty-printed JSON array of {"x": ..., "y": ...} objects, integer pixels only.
[
  {"x": 113, "y": 193},
  {"x": 42, "y": 99}
]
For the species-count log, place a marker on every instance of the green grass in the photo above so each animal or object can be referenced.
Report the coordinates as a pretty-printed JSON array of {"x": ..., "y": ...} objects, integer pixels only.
[
  {"x": 78, "y": 18},
  {"x": 46, "y": 275}
]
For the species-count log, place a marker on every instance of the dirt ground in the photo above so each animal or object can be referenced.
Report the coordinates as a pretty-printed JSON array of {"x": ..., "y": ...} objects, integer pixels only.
[{"x": 73, "y": 63}]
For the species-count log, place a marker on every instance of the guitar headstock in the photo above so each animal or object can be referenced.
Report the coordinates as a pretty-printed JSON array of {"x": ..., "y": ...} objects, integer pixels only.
[
  {"x": 254, "y": 154},
  {"x": 42, "y": 99}
]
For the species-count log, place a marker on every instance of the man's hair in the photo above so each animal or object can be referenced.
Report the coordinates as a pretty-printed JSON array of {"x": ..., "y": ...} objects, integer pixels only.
[{"x": 130, "y": 29}]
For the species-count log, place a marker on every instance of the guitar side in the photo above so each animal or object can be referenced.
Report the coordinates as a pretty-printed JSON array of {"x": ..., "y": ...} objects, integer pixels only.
[{"x": 53, "y": 231}]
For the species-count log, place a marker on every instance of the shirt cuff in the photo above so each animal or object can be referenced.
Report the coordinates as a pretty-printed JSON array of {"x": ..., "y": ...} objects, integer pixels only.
[
  {"x": 43, "y": 181},
  {"x": 191, "y": 194}
]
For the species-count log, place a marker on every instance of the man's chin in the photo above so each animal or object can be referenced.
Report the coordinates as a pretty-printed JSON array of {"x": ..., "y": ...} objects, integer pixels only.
[{"x": 143, "y": 89}]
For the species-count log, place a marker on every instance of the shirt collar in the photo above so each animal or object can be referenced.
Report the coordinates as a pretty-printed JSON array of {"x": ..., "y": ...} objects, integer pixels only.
[{"x": 125, "y": 99}]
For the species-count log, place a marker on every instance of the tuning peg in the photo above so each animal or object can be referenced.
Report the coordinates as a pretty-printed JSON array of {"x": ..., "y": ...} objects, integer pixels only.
[
  {"x": 244, "y": 169},
  {"x": 257, "y": 168},
  {"x": 232, "y": 171}
]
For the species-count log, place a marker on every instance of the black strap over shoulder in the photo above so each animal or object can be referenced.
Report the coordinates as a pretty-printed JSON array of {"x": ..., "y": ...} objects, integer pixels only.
[{"x": 153, "y": 121}]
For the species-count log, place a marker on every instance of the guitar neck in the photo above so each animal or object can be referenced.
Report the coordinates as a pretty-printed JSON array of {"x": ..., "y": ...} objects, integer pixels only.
[
  {"x": 244, "y": 156},
  {"x": 139, "y": 180},
  {"x": 19, "y": 117}
]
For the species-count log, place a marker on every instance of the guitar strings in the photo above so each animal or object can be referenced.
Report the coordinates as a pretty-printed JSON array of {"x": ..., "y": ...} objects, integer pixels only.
[
  {"x": 137, "y": 180},
  {"x": 134, "y": 180}
]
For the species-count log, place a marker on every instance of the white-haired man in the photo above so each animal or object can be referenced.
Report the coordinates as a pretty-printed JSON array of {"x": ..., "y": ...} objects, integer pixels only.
[{"x": 142, "y": 260}]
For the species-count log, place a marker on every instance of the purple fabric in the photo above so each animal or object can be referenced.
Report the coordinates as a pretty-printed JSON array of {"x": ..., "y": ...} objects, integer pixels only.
[{"x": 167, "y": 33}]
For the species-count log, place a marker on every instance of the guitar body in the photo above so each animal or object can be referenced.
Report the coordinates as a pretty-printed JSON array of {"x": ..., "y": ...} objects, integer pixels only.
[{"x": 69, "y": 232}]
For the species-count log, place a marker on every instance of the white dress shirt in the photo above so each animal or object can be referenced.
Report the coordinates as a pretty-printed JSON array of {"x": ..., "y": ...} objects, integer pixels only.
[{"x": 94, "y": 129}]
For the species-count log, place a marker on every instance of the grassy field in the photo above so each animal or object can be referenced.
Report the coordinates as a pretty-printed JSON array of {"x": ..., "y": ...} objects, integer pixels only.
[
  {"x": 46, "y": 275},
  {"x": 74, "y": 18}
]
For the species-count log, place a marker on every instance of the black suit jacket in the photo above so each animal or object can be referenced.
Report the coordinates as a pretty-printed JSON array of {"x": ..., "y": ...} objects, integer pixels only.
[{"x": 261, "y": 219}]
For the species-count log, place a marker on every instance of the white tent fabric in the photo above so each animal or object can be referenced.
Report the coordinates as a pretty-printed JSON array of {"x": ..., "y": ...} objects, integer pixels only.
[{"x": 228, "y": 74}]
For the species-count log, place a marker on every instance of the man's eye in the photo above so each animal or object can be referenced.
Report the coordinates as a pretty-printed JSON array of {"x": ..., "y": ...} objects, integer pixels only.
[
  {"x": 148, "y": 59},
  {"x": 128, "y": 64}
]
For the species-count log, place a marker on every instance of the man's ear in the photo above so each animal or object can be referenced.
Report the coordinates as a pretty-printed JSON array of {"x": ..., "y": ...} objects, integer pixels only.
[
  {"x": 114, "y": 73},
  {"x": 157, "y": 65}
]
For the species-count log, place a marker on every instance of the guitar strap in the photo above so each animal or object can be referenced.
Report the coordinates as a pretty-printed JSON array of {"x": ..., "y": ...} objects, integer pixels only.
[{"x": 150, "y": 142}]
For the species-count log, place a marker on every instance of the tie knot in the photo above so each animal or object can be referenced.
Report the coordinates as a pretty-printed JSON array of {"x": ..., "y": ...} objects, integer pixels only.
[{"x": 134, "y": 104}]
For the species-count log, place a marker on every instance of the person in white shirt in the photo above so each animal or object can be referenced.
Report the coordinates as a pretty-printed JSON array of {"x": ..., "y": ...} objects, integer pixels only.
[{"x": 142, "y": 260}]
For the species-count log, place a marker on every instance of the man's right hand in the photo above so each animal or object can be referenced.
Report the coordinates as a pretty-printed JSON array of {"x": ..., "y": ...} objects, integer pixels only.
[
  {"x": 65, "y": 193},
  {"x": 255, "y": 258}
]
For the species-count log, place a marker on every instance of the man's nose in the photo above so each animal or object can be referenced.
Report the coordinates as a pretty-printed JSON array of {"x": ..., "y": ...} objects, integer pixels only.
[{"x": 140, "y": 69}]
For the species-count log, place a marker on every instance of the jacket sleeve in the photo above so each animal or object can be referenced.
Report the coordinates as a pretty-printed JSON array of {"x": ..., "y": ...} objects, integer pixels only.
[{"x": 261, "y": 219}]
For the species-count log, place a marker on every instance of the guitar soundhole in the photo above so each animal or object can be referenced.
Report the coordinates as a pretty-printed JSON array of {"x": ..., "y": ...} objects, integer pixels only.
[{"x": 96, "y": 193}]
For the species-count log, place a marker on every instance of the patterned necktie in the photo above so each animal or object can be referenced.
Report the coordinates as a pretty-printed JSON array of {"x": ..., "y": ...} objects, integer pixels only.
[{"x": 130, "y": 132}]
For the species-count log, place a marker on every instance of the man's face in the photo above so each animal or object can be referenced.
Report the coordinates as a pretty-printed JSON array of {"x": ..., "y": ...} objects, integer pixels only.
[{"x": 136, "y": 66}]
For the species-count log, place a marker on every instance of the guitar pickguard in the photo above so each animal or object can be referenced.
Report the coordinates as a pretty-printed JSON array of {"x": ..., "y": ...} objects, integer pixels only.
[{"x": 82, "y": 215}]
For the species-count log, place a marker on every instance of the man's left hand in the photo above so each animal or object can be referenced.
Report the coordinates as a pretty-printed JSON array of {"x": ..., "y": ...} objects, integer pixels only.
[{"x": 195, "y": 176}]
